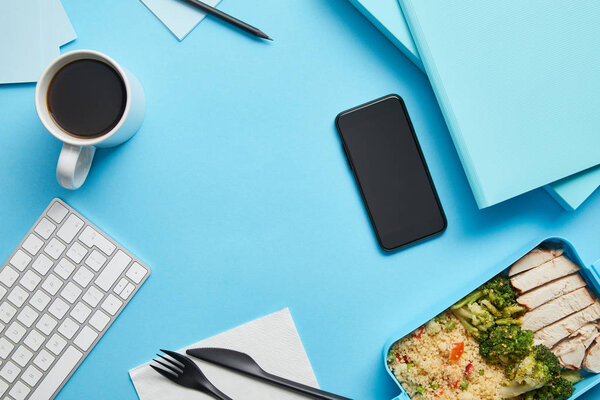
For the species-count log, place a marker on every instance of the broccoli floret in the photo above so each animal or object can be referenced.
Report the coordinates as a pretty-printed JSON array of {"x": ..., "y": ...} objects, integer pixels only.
[
  {"x": 471, "y": 298},
  {"x": 506, "y": 345},
  {"x": 538, "y": 369},
  {"x": 477, "y": 316},
  {"x": 499, "y": 291},
  {"x": 557, "y": 389},
  {"x": 494, "y": 303}
]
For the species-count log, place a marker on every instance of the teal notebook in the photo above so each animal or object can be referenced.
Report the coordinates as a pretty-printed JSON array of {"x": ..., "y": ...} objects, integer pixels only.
[
  {"x": 521, "y": 116},
  {"x": 387, "y": 16}
]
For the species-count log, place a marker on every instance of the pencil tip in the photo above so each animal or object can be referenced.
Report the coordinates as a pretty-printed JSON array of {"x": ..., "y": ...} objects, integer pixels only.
[{"x": 264, "y": 35}]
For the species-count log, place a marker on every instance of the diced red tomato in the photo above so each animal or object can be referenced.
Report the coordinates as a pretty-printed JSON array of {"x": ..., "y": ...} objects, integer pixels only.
[
  {"x": 457, "y": 351},
  {"x": 401, "y": 359},
  {"x": 469, "y": 368},
  {"x": 455, "y": 385},
  {"x": 419, "y": 332}
]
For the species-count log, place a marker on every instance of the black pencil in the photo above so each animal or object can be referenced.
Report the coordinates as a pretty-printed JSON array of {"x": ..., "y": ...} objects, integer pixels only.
[{"x": 228, "y": 18}]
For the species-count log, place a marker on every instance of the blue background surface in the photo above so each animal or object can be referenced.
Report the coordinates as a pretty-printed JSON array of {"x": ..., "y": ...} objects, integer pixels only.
[{"x": 237, "y": 194}]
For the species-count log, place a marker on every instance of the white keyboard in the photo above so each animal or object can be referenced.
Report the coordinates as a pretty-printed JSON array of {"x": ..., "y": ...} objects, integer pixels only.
[{"x": 60, "y": 290}]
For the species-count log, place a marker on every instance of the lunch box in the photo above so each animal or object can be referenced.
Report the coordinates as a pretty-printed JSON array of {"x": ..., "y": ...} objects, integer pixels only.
[{"x": 591, "y": 275}]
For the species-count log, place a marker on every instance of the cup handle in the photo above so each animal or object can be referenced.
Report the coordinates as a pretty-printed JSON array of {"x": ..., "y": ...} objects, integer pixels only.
[{"x": 74, "y": 165}]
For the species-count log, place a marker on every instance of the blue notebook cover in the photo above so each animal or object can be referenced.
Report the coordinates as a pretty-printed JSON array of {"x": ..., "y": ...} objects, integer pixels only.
[
  {"x": 387, "y": 16},
  {"x": 521, "y": 116}
]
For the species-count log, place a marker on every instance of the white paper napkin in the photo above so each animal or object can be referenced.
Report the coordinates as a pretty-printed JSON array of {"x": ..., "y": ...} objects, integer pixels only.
[{"x": 271, "y": 340}]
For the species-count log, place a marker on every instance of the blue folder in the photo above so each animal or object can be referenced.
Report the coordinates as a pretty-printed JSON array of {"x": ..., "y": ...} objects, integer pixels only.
[{"x": 387, "y": 16}]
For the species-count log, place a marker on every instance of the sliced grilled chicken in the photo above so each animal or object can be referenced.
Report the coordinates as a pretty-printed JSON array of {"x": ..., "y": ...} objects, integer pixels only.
[
  {"x": 557, "y": 309},
  {"x": 559, "y": 330},
  {"x": 534, "y": 258},
  {"x": 591, "y": 362},
  {"x": 571, "y": 351},
  {"x": 547, "y": 272},
  {"x": 550, "y": 291}
]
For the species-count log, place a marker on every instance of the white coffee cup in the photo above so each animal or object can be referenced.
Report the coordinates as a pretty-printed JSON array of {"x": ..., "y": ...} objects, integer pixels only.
[{"x": 77, "y": 153}]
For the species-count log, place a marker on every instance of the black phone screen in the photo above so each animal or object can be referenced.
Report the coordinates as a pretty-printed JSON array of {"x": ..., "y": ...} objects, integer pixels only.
[{"x": 388, "y": 165}]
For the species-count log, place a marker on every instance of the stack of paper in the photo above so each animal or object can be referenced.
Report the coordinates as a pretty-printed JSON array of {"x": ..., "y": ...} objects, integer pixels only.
[
  {"x": 388, "y": 17},
  {"x": 31, "y": 33}
]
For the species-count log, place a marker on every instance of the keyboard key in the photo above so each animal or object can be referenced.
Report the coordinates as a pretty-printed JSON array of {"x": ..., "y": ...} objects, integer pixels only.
[
  {"x": 111, "y": 305},
  {"x": 68, "y": 328},
  {"x": 31, "y": 376},
  {"x": 70, "y": 292},
  {"x": 70, "y": 228},
  {"x": 76, "y": 252},
  {"x": 3, "y": 387},
  {"x": 59, "y": 308},
  {"x": 40, "y": 300},
  {"x": 136, "y": 273},
  {"x": 27, "y": 316},
  {"x": 22, "y": 356},
  {"x": 30, "y": 280},
  {"x": 7, "y": 312},
  {"x": 32, "y": 244},
  {"x": 55, "y": 378},
  {"x": 15, "y": 332},
  {"x": 5, "y": 347},
  {"x": 56, "y": 344},
  {"x": 90, "y": 237},
  {"x": 42, "y": 264},
  {"x": 64, "y": 268},
  {"x": 46, "y": 324},
  {"x": 34, "y": 340},
  {"x": 86, "y": 337},
  {"x": 8, "y": 276},
  {"x": 120, "y": 286},
  {"x": 2, "y": 292},
  {"x": 80, "y": 312},
  {"x": 20, "y": 260},
  {"x": 83, "y": 276},
  {"x": 95, "y": 261},
  {"x": 127, "y": 291},
  {"x": 18, "y": 296},
  {"x": 44, "y": 360},
  {"x": 113, "y": 270},
  {"x": 99, "y": 320},
  {"x": 10, "y": 372},
  {"x": 57, "y": 212},
  {"x": 52, "y": 284},
  {"x": 45, "y": 228},
  {"x": 19, "y": 391},
  {"x": 93, "y": 296},
  {"x": 54, "y": 248}
]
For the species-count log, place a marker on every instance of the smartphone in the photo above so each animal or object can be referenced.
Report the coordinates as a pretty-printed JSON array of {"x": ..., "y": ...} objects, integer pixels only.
[{"x": 390, "y": 170}]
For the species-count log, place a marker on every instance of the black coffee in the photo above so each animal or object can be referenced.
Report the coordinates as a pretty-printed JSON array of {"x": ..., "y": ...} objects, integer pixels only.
[{"x": 86, "y": 98}]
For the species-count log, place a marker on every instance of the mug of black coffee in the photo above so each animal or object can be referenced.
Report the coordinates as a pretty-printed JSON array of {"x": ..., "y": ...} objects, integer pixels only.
[{"x": 86, "y": 100}]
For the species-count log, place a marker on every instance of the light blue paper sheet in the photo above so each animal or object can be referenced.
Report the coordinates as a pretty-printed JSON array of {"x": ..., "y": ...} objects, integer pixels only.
[
  {"x": 387, "y": 16},
  {"x": 56, "y": 30},
  {"x": 546, "y": 90},
  {"x": 20, "y": 41},
  {"x": 31, "y": 33},
  {"x": 179, "y": 16}
]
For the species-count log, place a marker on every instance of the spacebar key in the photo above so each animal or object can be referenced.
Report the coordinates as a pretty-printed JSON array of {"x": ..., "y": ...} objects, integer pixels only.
[{"x": 57, "y": 375}]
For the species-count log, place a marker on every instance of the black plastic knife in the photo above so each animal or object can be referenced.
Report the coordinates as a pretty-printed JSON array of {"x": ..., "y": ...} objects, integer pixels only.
[{"x": 245, "y": 364}]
